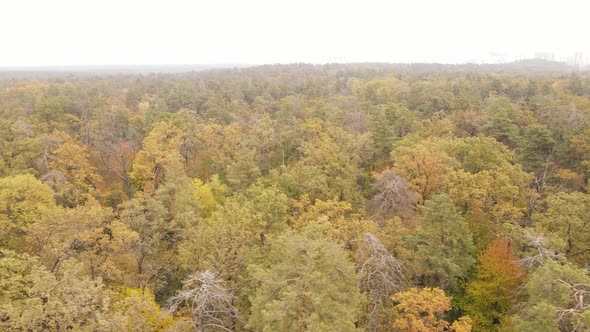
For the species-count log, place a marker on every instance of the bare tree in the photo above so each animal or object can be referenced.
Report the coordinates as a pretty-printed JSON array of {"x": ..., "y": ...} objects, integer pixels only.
[
  {"x": 540, "y": 254},
  {"x": 579, "y": 305},
  {"x": 380, "y": 276},
  {"x": 210, "y": 303},
  {"x": 392, "y": 194}
]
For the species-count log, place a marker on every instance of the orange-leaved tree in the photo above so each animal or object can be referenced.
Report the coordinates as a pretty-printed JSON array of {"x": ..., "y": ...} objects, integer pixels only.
[{"x": 495, "y": 289}]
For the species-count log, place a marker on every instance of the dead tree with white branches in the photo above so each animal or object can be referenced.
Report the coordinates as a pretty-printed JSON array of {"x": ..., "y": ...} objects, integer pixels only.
[
  {"x": 539, "y": 253},
  {"x": 380, "y": 276},
  {"x": 209, "y": 302}
]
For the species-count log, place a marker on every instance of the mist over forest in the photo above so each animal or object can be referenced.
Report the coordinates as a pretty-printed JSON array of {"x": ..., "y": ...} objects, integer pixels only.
[{"x": 295, "y": 197}]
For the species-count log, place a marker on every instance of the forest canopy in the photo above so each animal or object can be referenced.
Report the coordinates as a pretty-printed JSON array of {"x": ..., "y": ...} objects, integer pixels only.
[{"x": 298, "y": 197}]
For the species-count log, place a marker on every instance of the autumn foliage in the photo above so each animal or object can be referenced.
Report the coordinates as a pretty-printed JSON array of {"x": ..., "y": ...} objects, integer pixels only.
[
  {"x": 496, "y": 287},
  {"x": 339, "y": 197}
]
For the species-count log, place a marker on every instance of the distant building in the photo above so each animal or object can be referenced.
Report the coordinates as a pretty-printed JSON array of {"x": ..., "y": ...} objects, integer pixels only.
[{"x": 547, "y": 56}]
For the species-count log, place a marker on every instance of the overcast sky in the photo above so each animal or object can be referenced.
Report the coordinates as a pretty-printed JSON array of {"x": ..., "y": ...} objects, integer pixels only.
[{"x": 80, "y": 32}]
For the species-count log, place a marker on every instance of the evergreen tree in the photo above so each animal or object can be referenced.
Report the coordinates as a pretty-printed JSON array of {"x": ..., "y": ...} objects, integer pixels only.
[
  {"x": 444, "y": 245},
  {"x": 310, "y": 285}
]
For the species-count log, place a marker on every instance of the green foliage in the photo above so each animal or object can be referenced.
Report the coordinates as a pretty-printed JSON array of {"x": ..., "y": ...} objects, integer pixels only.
[
  {"x": 153, "y": 252},
  {"x": 331, "y": 161},
  {"x": 177, "y": 194},
  {"x": 244, "y": 171},
  {"x": 478, "y": 154},
  {"x": 557, "y": 298},
  {"x": 501, "y": 124},
  {"x": 209, "y": 196},
  {"x": 24, "y": 200},
  {"x": 310, "y": 284},
  {"x": 444, "y": 245},
  {"x": 49, "y": 111},
  {"x": 539, "y": 317},
  {"x": 565, "y": 224},
  {"x": 19, "y": 148},
  {"x": 137, "y": 311},
  {"x": 263, "y": 183},
  {"x": 537, "y": 146},
  {"x": 33, "y": 299}
]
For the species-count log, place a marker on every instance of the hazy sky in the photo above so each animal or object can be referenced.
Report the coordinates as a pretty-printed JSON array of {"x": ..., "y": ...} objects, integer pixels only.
[{"x": 76, "y": 32}]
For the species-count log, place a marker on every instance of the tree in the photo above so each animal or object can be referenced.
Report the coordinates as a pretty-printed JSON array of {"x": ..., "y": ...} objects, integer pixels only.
[
  {"x": 560, "y": 113},
  {"x": 119, "y": 159},
  {"x": 420, "y": 310},
  {"x": 217, "y": 147},
  {"x": 444, "y": 245},
  {"x": 565, "y": 225},
  {"x": 380, "y": 275},
  {"x": 559, "y": 298},
  {"x": 19, "y": 147},
  {"x": 500, "y": 124},
  {"x": 539, "y": 317},
  {"x": 310, "y": 284},
  {"x": 492, "y": 199},
  {"x": 137, "y": 311},
  {"x": 388, "y": 124},
  {"x": 153, "y": 252},
  {"x": 469, "y": 122},
  {"x": 331, "y": 163},
  {"x": 463, "y": 324},
  {"x": 209, "y": 303},
  {"x": 536, "y": 253},
  {"x": 63, "y": 233},
  {"x": 88, "y": 233},
  {"x": 238, "y": 231},
  {"x": 49, "y": 111},
  {"x": 383, "y": 135},
  {"x": 264, "y": 138},
  {"x": 537, "y": 154},
  {"x": 209, "y": 196},
  {"x": 244, "y": 170},
  {"x": 381, "y": 91},
  {"x": 24, "y": 200},
  {"x": 176, "y": 192},
  {"x": 71, "y": 173},
  {"x": 334, "y": 219},
  {"x": 478, "y": 154},
  {"x": 496, "y": 287},
  {"x": 33, "y": 299},
  {"x": 392, "y": 195},
  {"x": 268, "y": 206},
  {"x": 425, "y": 167},
  {"x": 159, "y": 147},
  {"x": 581, "y": 144}
]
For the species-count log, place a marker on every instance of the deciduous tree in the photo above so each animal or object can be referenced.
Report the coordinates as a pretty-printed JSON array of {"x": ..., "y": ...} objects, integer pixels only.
[
  {"x": 420, "y": 310},
  {"x": 496, "y": 288}
]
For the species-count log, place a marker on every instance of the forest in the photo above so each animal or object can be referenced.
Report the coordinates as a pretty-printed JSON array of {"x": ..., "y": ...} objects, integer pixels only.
[{"x": 339, "y": 197}]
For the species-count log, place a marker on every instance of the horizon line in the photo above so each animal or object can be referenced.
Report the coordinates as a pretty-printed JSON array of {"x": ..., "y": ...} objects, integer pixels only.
[{"x": 279, "y": 63}]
